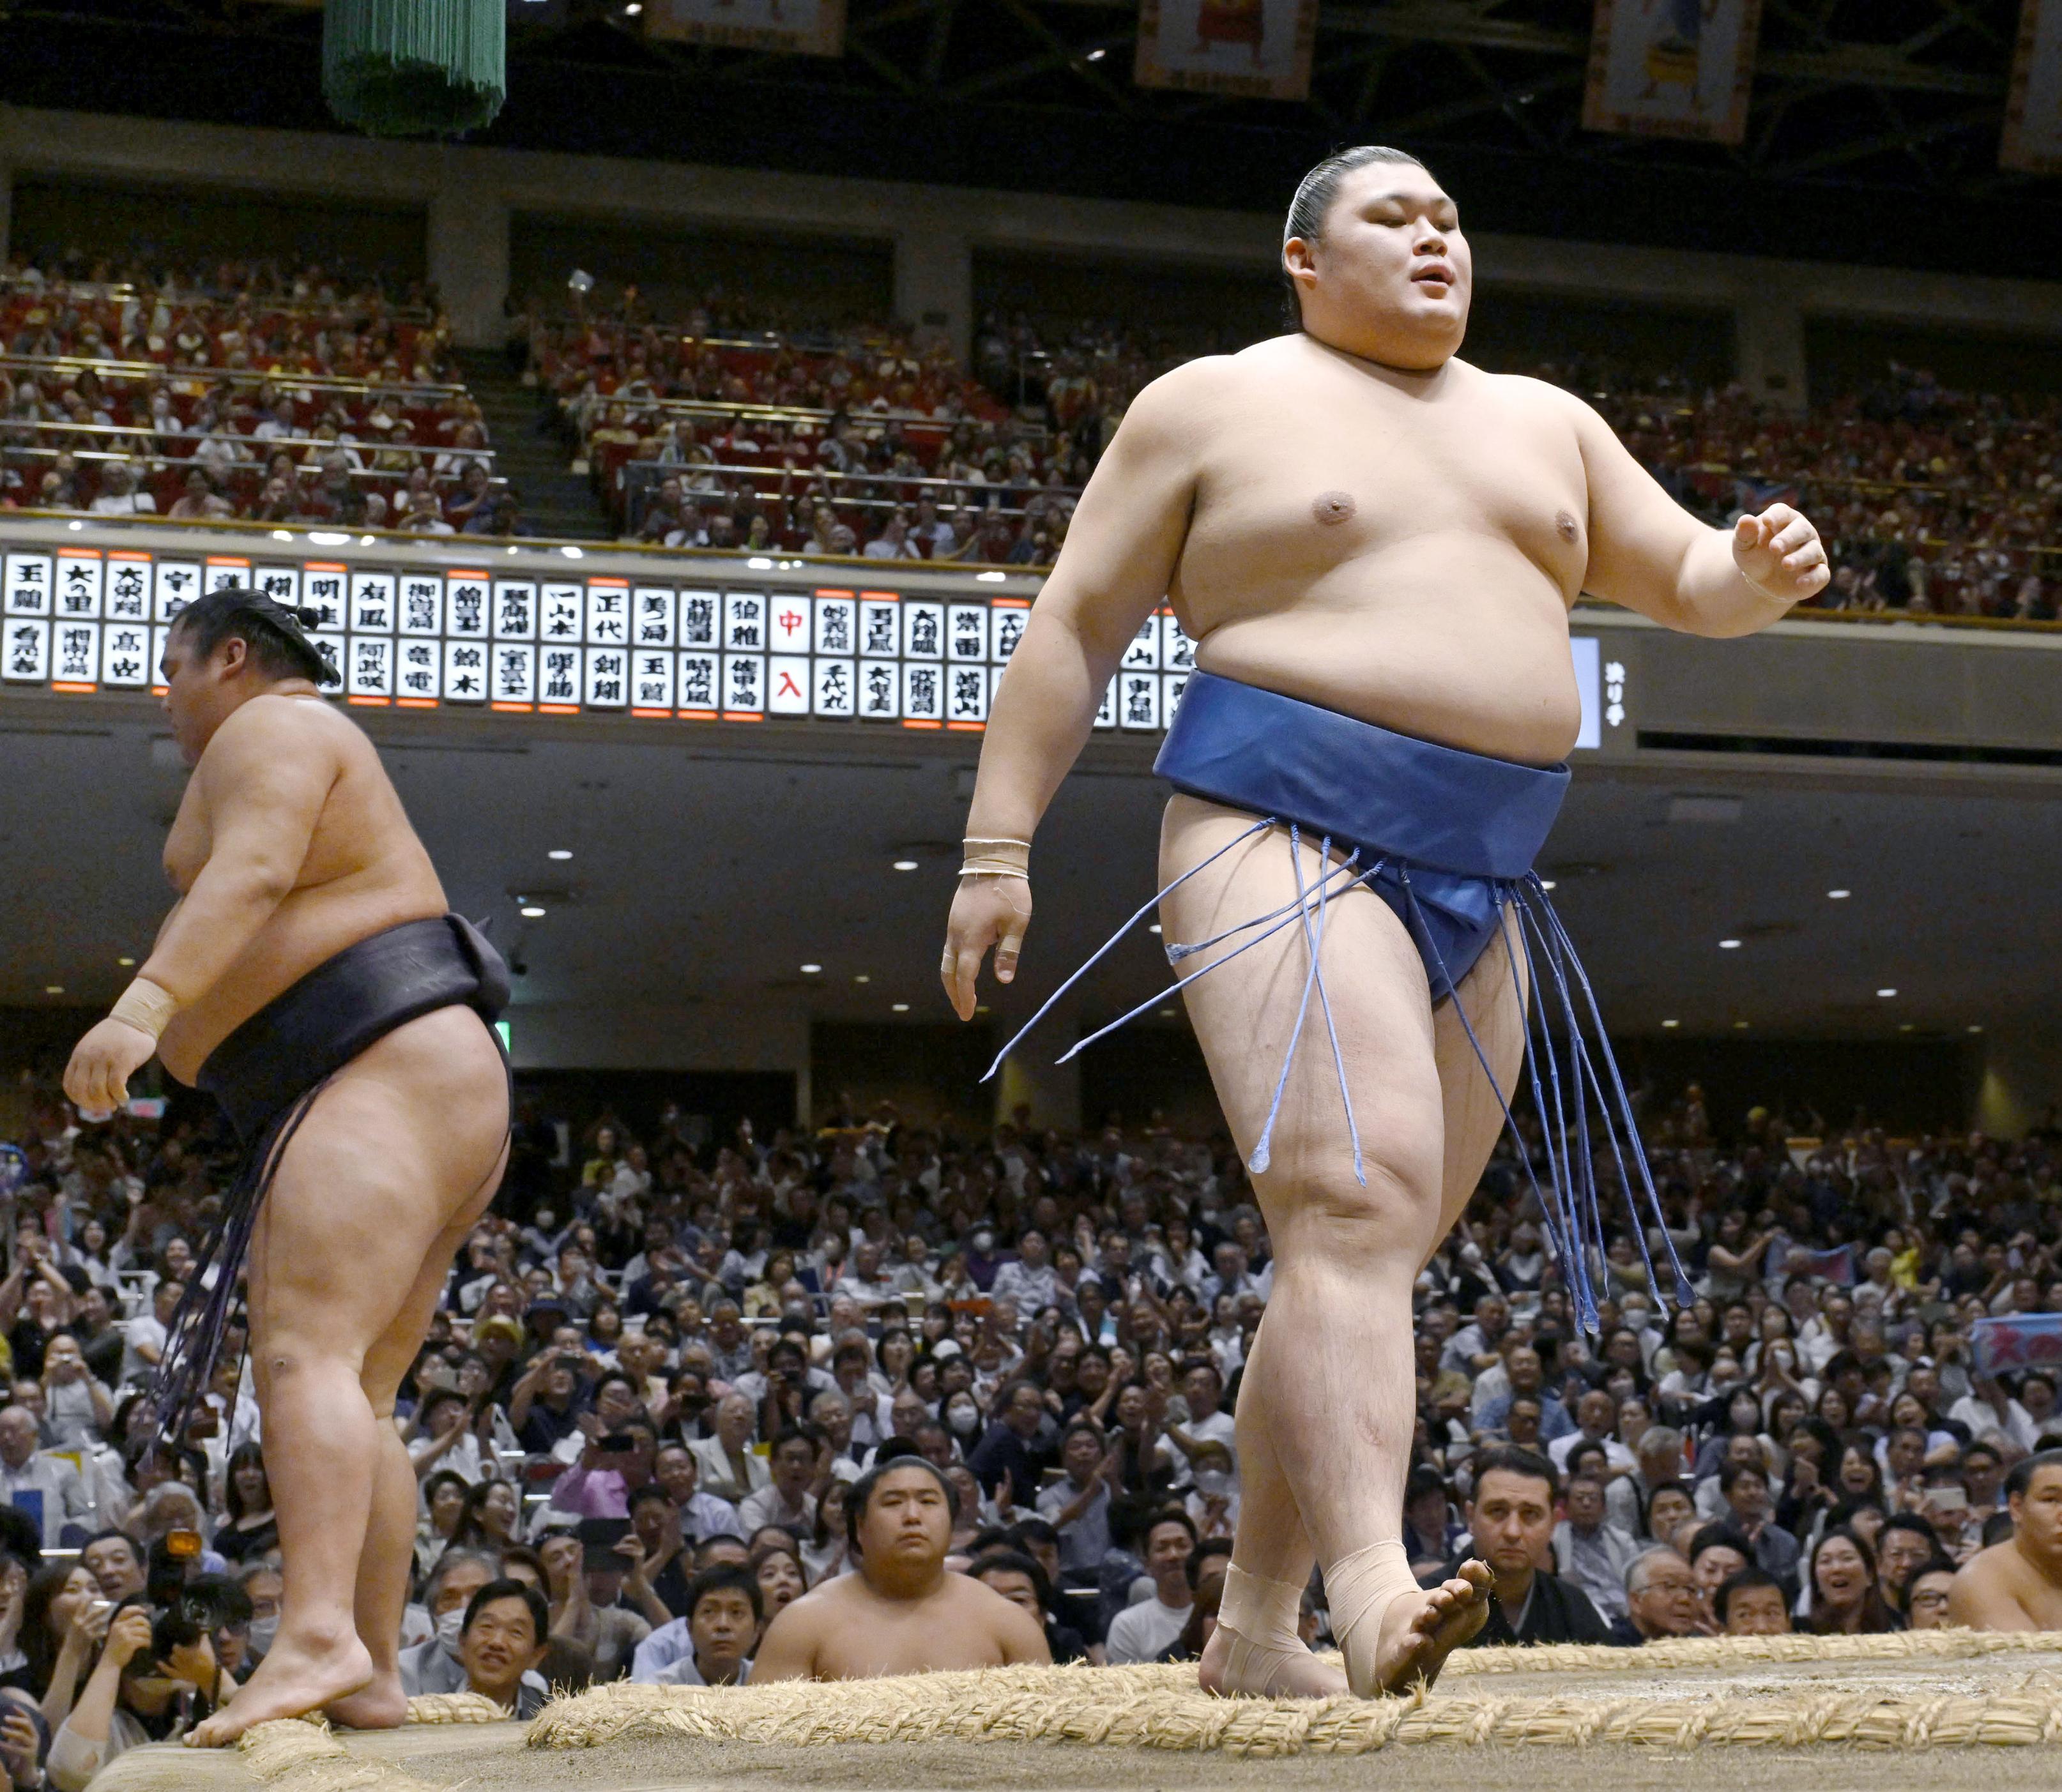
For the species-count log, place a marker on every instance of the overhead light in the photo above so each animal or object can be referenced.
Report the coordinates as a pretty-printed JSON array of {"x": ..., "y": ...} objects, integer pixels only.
[
  {"x": 529, "y": 912},
  {"x": 811, "y": 970},
  {"x": 905, "y": 864},
  {"x": 1739, "y": 1026},
  {"x": 74, "y": 527},
  {"x": 1886, "y": 993},
  {"x": 1729, "y": 945},
  {"x": 1167, "y": 1014},
  {"x": 125, "y": 962},
  {"x": 559, "y": 852},
  {"x": 1904, "y": 1026},
  {"x": 53, "y": 989},
  {"x": 1975, "y": 1029},
  {"x": 862, "y": 978},
  {"x": 632, "y": 9},
  {"x": 1096, "y": 55},
  {"x": 571, "y": 552},
  {"x": 283, "y": 535},
  {"x": 508, "y": 550},
  {"x": 1671, "y": 1023},
  {"x": 1153, "y": 928},
  {"x": 981, "y": 1008},
  {"x": 1838, "y": 896},
  {"x": 760, "y": 563},
  {"x": 901, "y": 1007},
  {"x": 980, "y": 578},
  {"x": 1547, "y": 884},
  {"x": 329, "y": 538},
  {"x": 367, "y": 541}
]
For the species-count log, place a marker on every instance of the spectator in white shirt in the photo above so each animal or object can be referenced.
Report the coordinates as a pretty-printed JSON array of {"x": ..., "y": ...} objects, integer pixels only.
[
  {"x": 1141, "y": 1631},
  {"x": 118, "y": 495},
  {"x": 48, "y": 1489}
]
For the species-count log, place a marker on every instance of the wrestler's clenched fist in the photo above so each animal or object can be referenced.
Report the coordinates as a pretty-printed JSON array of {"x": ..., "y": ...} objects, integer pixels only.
[
  {"x": 1779, "y": 552},
  {"x": 97, "y": 1079}
]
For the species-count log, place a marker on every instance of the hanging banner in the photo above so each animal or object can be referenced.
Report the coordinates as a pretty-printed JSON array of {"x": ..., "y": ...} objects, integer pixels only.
[
  {"x": 2033, "y": 103},
  {"x": 800, "y": 27},
  {"x": 1256, "y": 49},
  {"x": 1672, "y": 68}
]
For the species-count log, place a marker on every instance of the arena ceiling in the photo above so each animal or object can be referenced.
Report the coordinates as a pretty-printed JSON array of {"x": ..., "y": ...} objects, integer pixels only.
[
  {"x": 1858, "y": 107},
  {"x": 711, "y": 868}
]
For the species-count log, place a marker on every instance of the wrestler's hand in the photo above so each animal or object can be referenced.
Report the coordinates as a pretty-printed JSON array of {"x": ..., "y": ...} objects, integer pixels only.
[
  {"x": 986, "y": 911},
  {"x": 1779, "y": 554},
  {"x": 97, "y": 1079}
]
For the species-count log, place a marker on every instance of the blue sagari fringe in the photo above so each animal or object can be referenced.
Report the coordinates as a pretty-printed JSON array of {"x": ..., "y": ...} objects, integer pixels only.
[{"x": 1569, "y": 1198}]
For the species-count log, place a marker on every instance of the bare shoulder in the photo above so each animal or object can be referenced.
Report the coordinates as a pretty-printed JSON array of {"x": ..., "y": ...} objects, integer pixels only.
[
  {"x": 1984, "y": 1593},
  {"x": 1535, "y": 397},
  {"x": 1173, "y": 404},
  {"x": 274, "y": 724}
]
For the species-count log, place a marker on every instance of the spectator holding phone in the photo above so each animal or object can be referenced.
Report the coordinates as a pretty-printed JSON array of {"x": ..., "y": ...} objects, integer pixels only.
[
  {"x": 585, "y": 1579},
  {"x": 64, "y": 1620}
]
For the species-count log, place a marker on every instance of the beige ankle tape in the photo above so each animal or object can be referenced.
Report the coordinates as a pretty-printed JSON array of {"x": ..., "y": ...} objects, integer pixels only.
[
  {"x": 1256, "y": 1607},
  {"x": 1360, "y": 1585}
]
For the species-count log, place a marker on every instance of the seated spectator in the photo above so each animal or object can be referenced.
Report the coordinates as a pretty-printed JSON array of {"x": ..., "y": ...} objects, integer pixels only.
[
  {"x": 1743, "y": 1486},
  {"x": 777, "y": 1566},
  {"x": 248, "y": 1528},
  {"x": 1024, "y": 1584},
  {"x": 1715, "y": 1553},
  {"x": 584, "y": 1580},
  {"x": 1752, "y": 1603},
  {"x": 720, "y": 1617},
  {"x": 118, "y": 495},
  {"x": 46, "y": 1487},
  {"x": 902, "y": 1612},
  {"x": 1591, "y": 1552},
  {"x": 786, "y": 1500},
  {"x": 2016, "y": 1584},
  {"x": 1905, "y": 1541},
  {"x": 115, "y": 1563},
  {"x": 435, "y": 1665},
  {"x": 729, "y": 1468},
  {"x": 1928, "y": 1594},
  {"x": 501, "y": 1640},
  {"x": 1662, "y": 1600},
  {"x": 1143, "y": 1630},
  {"x": 156, "y": 1678},
  {"x": 1845, "y": 1599},
  {"x": 1511, "y": 1524}
]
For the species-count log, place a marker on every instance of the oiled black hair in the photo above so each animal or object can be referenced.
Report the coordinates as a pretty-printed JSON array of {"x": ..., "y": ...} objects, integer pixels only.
[
  {"x": 1313, "y": 204},
  {"x": 273, "y": 634}
]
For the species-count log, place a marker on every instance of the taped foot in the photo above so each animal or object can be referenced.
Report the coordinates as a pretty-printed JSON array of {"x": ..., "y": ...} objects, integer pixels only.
[{"x": 1420, "y": 1629}]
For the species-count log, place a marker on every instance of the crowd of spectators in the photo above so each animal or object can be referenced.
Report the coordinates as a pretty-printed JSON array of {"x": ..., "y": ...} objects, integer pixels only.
[
  {"x": 239, "y": 392},
  {"x": 705, "y": 433},
  {"x": 660, "y": 1364}
]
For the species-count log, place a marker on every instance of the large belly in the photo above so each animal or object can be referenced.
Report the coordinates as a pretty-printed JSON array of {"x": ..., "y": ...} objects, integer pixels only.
[
  {"x": 1500, "y": 688},
  {"x": 311, "y": 927}
]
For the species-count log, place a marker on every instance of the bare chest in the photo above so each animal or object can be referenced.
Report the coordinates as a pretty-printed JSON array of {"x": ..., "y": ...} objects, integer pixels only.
[
  {"x": 1338, "y": 473},
  {"x": 190, "y": 842}
]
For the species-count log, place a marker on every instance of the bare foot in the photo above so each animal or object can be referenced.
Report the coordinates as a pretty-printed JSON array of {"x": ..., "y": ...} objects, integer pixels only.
[
  {"x": 294, "y": 1680},
  {"x": 380, "y": 1704},
  {"x": 1265, "y": 1670},
  {"x": 1418, "y": 1632}
]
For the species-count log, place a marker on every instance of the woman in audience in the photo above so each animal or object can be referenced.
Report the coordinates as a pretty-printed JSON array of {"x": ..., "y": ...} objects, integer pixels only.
[
  {"x": 777, "y": 1567},
  {"x": 248, "y": 1528},
  {"x": 444, "y": 1496},
  {"x": 493, "y": 1509},
  {"x": 64, "y": 1620},
  {"x": 1844, "y": 1597}
]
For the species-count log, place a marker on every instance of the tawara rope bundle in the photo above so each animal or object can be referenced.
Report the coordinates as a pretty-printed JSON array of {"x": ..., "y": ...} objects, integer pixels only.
[
  {"x": 298, "y": 1754},
  {"x": 1163, "y": 1708}
]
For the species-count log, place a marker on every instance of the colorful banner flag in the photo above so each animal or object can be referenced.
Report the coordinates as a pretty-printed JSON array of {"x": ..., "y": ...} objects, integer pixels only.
[
  {"x": 1256, "y": 49},
  {"x": 1672, "y": 68},
  {"x": 2018, "y": 1341},
  {"x": 2033, "y": 103},
  {"x": 1836, "y": 1265},
  {"x": 800, "y": 27}
]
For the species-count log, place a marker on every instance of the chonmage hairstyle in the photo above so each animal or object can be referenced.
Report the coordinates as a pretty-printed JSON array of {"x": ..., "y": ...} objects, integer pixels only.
[
  {"x": 1313, "y": 204},
  {"x": 275, "y": 635}
]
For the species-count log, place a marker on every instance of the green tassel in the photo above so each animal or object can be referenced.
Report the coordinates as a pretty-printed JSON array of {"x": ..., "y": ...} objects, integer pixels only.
[{"x": 407, "y": 68}]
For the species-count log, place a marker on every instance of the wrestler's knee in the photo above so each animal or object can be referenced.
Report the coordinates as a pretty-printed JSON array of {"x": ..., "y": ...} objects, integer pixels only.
[
  {"x": 287, "y": 1358},
  {"x": 1334, "y": 1215}
]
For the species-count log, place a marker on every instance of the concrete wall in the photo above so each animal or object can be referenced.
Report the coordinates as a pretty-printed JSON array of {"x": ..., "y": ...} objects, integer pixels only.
[{"x": 469, "y": 194}]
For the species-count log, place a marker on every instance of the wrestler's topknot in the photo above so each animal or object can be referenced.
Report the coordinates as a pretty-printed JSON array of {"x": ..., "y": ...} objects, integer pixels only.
[
  {"x": 274, "y": 633},
  {"x": 1315, "y": 194}
]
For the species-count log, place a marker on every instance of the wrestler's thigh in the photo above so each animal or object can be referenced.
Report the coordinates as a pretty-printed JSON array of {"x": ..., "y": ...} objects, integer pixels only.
[
  {"x": 394, "y": 1352},
  {"x": 392, "y": 1152},
  {"x": 1244, "y": 1014},
  {"x": 1495, "y": 1009}
]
